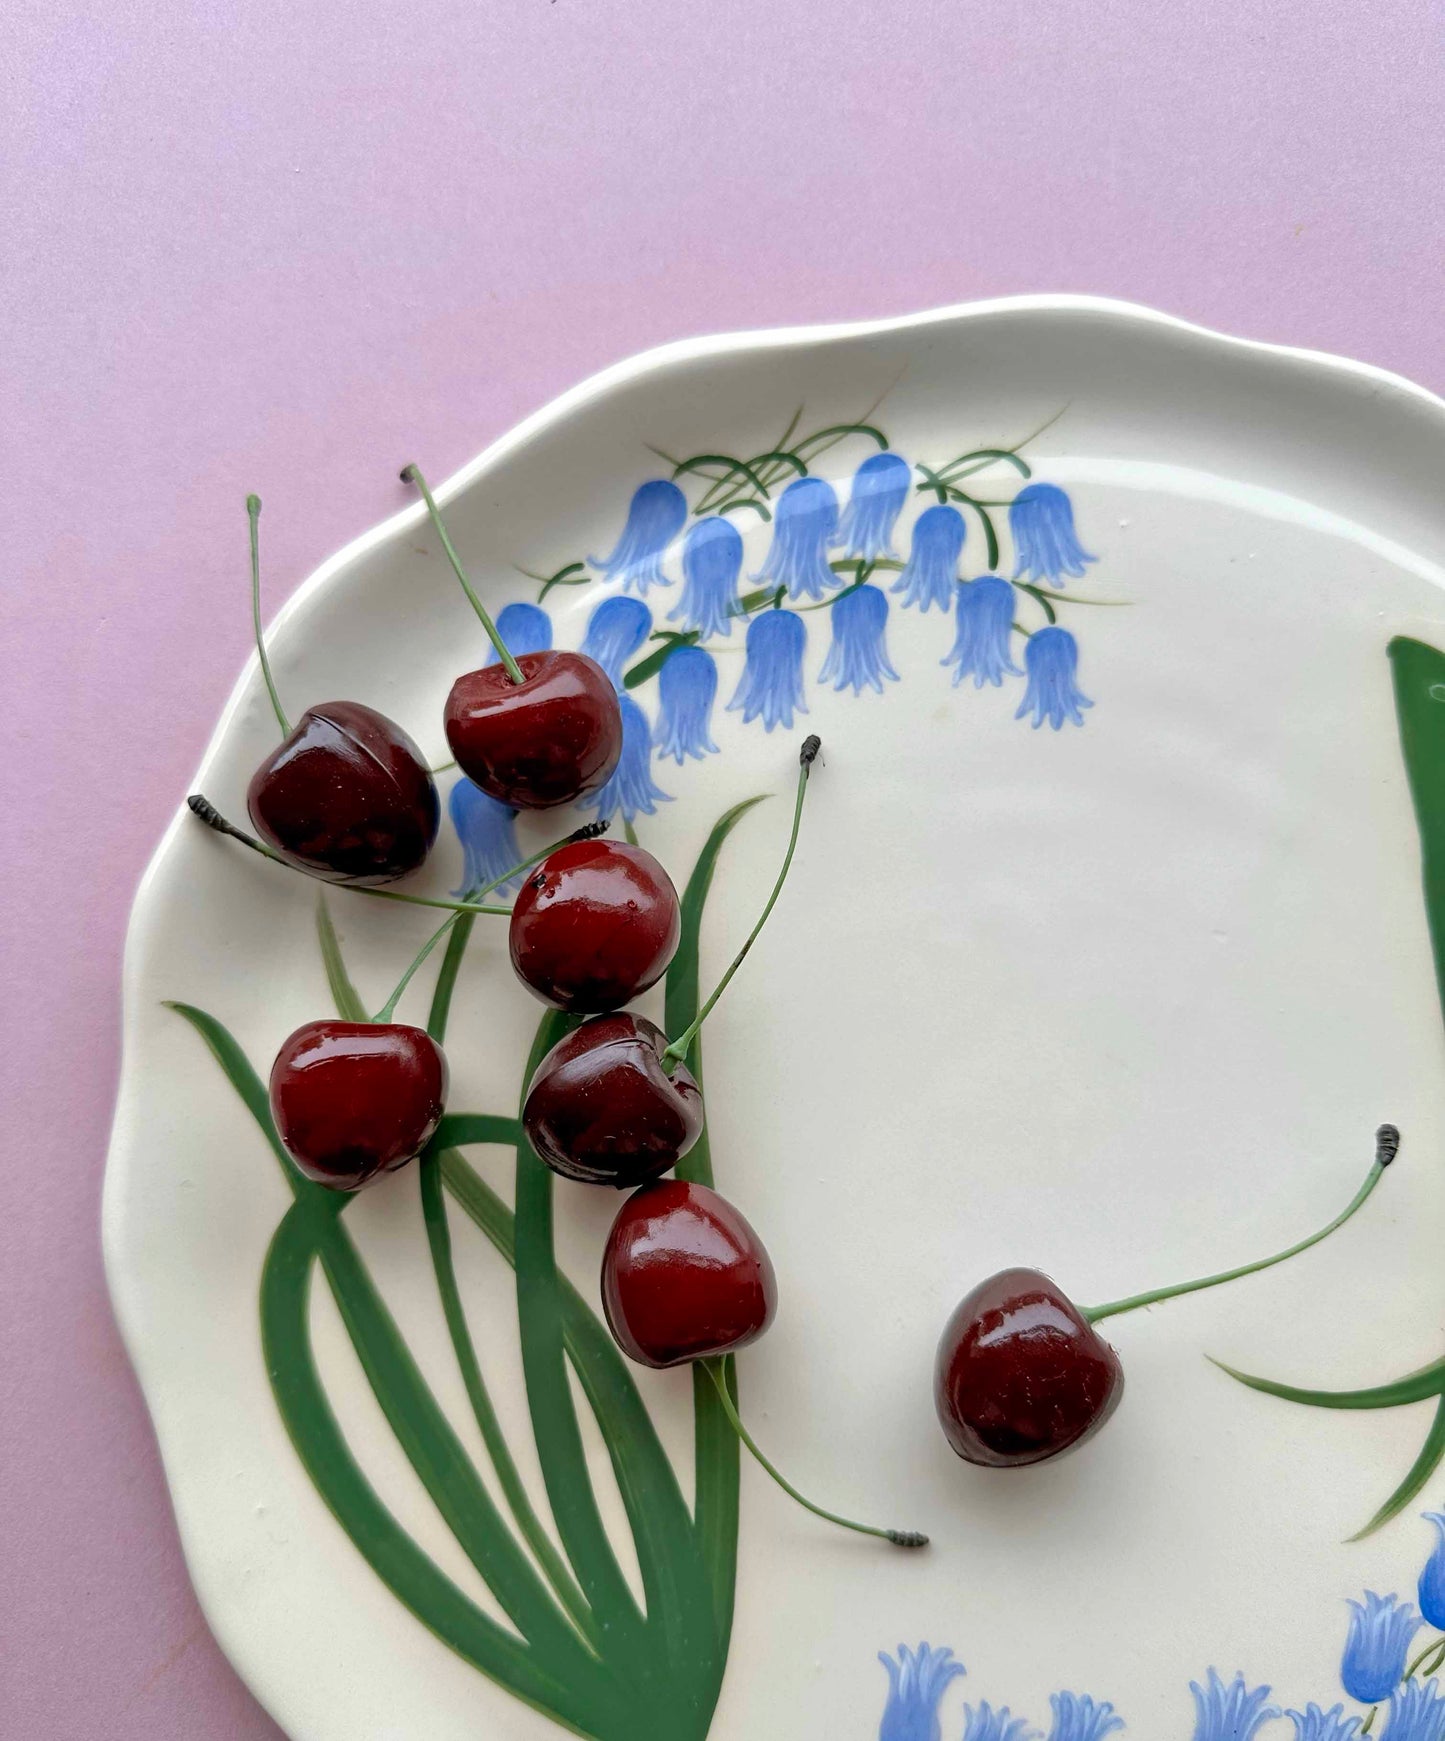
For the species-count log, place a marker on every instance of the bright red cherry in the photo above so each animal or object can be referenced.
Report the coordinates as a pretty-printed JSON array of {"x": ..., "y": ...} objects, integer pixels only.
[
  {"x": 347, "y": 797},
  {"x": 595, "y": 924},
  {"x": 352, "y": 1100},
  {"x": 684, "y": 1276},
  {"x": 547, "y": 740},
  {"x": 602, "y": 1107}
]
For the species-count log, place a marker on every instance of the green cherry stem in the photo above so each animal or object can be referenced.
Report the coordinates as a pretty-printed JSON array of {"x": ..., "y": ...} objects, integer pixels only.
[
  {"x": 411, "y": 474},
  {"x": 678, "y": 1049},
  {"x": 901, "y": 1538},
  {"x": 253, "y": 514},
  {"x": 1387, "y": 1143}
]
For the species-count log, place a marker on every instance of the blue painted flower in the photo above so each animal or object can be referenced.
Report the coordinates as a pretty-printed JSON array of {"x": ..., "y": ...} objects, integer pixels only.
[
  {"x": 880, "y": 488},
  {"x": 1229, "y": 1712},
  {"x": 983, "y": 1723},
  {"x": 1313, "y": 1724},
  {"x": 805, "y": 521},
  {"x": 1381, "y": 1628},
  {"x": 772, "y": 679},
  {"x": 630, "y": 788},
  {"x": 1432, "y": 1578},
  {"x": 1417, "y": 1713},
  {"x": 1051, "y": 657},
  {"x": 615, "y": 630},
  {"x": 687, "y": 688},
  {"x": 858, "y": 653},
  {"x": 1077, "y": 1717},
  {"x": 982, "y": 647},
  {"x": 712, "y": 559},
  {"x": 1046, "y": 547},
  {"x": 655, "y": 516},
  {"x": 931, "y": 572},
  {"x": 915, "y": 1685},
  {"x": 524, "y": 628},
  {"x": 487, "y": 831}
]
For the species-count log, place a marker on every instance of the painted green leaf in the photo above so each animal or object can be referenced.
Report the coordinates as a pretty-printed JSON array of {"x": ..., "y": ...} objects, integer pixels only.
[
  {"x": 1420, "y": 1472},
  {"x": 343, "y": 993}
]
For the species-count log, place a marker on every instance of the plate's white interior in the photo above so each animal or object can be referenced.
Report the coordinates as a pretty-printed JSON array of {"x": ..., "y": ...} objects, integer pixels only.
[{"x": 1124, "y": 1003}]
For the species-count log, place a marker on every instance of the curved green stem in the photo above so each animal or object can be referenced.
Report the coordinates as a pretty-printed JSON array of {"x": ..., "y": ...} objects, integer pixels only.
[
  {"x": 901, "y": 1538},
  {"x": 1435, "y": 1644},
  {"x": 253, "y": 514},
  {"x": 411, "y": 474}
]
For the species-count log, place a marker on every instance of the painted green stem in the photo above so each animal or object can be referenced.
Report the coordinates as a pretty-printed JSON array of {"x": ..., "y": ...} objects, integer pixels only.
[
  {"x": 253, "y": 514},
  {"x": 411, "y": 474}
]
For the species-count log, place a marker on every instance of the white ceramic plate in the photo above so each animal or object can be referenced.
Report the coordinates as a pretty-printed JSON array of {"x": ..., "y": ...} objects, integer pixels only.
[{"x": 1124, "y": 1001}]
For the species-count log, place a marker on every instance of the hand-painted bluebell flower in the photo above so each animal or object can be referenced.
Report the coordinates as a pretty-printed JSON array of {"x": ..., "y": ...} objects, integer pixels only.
[
  {"x": 1417, "y": 1713},
  {"x": 1313, "y": 1724},
  {"x": 488, "y": 835},
  {"x": 880, "y": 488},
  {"x": 1432, "y": 1578},
  {"x": 858, "y": 653},
  {"x": 1232, "y": 1711},
  {"x": 712, "y": 560},
  {"x": 772, "y": 679},
  {"x": 687, "y": 688},
  {"x": 1046, "y": 547},
  {"x": 524, "y": 628},
  {"x": 655, "y": 516},
  {"x": 804, "y": 522},
  {"x": 931, "y": 571},
  {"x": 630, "y": 788},
  {"x": 1077, "y": 1717},
  {"x": 984, "y": 641},
  {"x": 983, "y": 1723},
  {"x": 915, "y": 1685},
  {"x": 1381, "y": 1628},
  {"x": 615, "y": 630},
  {"x": 1051, "y": 658}
]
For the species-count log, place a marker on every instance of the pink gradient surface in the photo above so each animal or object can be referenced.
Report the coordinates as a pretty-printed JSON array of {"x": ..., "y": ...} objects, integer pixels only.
[{"x": 286, "y": 248}]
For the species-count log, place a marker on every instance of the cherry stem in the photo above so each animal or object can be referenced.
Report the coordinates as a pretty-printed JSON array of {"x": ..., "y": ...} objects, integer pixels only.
[
  {"x": 590, "y": 832},
  {"x": 208, "y": 813},
  {"x": 412, "y": 475},
  {"x": 253, "y": 514},
  {"x": 901, "y": 1538},
  {"x": 678, "y": 1049},
  {"x": 1387, "y": 1143}
]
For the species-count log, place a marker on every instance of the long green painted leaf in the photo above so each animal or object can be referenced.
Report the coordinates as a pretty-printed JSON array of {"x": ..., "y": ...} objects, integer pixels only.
[
  {"x": 1421, "y": 1470},
  {"x": 441, "y": 1003},
  {"x": 343, "y": 993},
  {"x": 237, "y": 1067},
  {"x": 1417, "y": 1387},
  {"x": 1419, "y": 673}
]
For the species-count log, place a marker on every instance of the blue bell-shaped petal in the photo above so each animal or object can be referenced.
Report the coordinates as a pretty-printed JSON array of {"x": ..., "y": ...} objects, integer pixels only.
[
  {"x": 615, "y": 630},
  {"x": 524, "y": 628},
  {"x": 630, "y": 787},
  {"x": 772, "y": 679},
  {"x": 858, "y": 654},
  {"x": 931, "y": 571},
  {"x": 1229, "y": 1711},
  {"x": 1046, "y": 547},
  {"x": 1313, "y": 1724},
  {"x": 915, "y": 1685},
  {"x": 982, "y": 1723},
  {"x": 1376, "y": 1647},
  {"x": 487, "y": 831},
  {"x": 687, "y": 688},
  {"x": 983, "y": 644},
  {"x": 712, "y": 560},
  {"x": 1417, "y": 1713},
  {"x": 1051, "y": 657},
  {"x": 655, "y": 516},
  {"x": 804, "y": 522},
  {"x": 1432, "y": 1578},
  {"x": 1077, "y": 1717},
  {"x": 880, "y": 488}
]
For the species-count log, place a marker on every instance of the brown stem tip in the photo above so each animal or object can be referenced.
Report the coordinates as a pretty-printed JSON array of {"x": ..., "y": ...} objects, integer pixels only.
[
  {"x": 591, "y": 830},
  {"x": 905, "y": 1538},
  {"x": 1387, "y": 1144},
  {"x": 809, "y": 752}
]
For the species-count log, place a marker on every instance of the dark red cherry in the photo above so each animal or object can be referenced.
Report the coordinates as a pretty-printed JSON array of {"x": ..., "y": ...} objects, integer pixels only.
[
  {"x": 1021, "y": 1374},
  {"x": 594, "y": 925},
  {"x": 352, "y": 1100},
  {"x": 684, "y": 1276},
  {"x": 347, "y": 796},
  {"x": 602, "y": 1109},
  {"x": 536, "y": 744}
]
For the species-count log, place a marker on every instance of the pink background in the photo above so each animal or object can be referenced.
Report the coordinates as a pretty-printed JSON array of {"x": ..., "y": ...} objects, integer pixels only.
[{"x": 253, "y": 245}]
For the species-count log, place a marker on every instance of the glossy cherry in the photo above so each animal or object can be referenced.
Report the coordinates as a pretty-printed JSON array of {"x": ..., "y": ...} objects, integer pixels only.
[
  {"x": 684, "y": 1276},
  {"x": 595, "y": 924},
  {"x": 603, "y": 1108},
  {"x": 353, "y": 1100}
]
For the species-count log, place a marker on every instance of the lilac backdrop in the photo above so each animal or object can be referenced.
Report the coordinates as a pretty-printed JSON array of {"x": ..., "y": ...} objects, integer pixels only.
[{"x": 255, "y": 245}]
